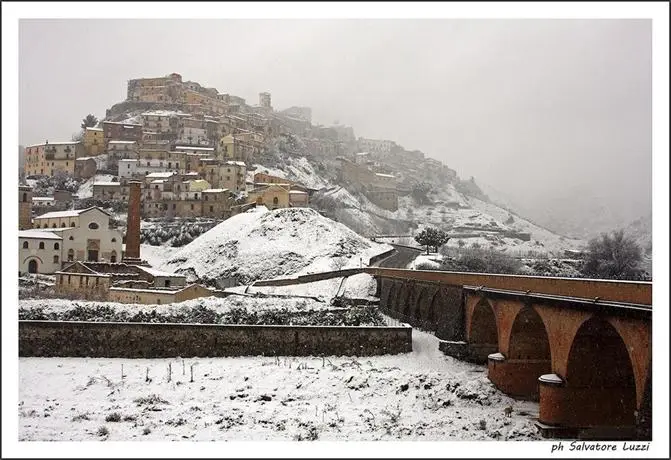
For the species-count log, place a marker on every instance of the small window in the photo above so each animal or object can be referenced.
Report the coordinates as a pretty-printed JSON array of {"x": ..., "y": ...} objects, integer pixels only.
[
  {"x": 192, "y": 207},
  {"x": 93, "y": 226},
  {"x": 113, "y": 240},
  {"x": 56, "y": 246},
  {"x": 211, "y": 208},
  {"x": 72, "y": 225},
  {"x": 25, "y": 245},
  {"x": 55, "y": 259},
  {"x": 41, "y": 244},
  {"x": 71, "y": 238},
  {"x": 62, "y": 224},
  {"x": 53, "y": 225}
]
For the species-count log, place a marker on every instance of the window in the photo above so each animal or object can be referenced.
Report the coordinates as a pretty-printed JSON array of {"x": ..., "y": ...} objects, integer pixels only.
[
  {"x": 206, "y": 197},
  {"x": 53, "y": 225},
  {"x": 25, "y": 245},
  {"x": 211, "y": 208},
  {"x": 71, "y": 238},
  {"x": 72, "y": 225},
  {"x": 71, "y": 257},
  {"x": 275, "y": 201},
  {"x": 25, "y": 197},
  {"x": 113, "y": 240},
  {"x": 62, "y": 224},
  {"x": 174, "y": 206},
  {"x": 56, "y": 246},
  {"x": 192, "y": 207},
  {"x": 93, "y": 225},
  {"x": 69, "y": 278},
  {"x": 55, "y": 259},
  {"x": 196, "y": 196}
]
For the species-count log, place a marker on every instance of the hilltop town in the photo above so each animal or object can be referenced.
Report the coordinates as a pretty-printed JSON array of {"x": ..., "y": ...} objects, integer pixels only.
[{"x": 198, "y": 157}]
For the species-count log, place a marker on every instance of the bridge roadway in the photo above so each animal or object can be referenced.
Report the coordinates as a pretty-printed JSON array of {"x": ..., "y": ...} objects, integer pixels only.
[{"x": 581, "y": 347}]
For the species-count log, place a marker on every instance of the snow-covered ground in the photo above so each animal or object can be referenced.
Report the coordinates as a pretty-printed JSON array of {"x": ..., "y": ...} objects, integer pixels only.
[
  {"x": 423, "y": 395},
  {"x": 86, "y": 189},
  {"x": 262, "y": 244},
  {"x": 157, "y": 255},
  {"x": 298, "y": 170}
]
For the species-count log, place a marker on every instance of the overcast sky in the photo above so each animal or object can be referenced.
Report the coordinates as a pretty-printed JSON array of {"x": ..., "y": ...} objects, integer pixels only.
[{"x": 532, "y": 108}]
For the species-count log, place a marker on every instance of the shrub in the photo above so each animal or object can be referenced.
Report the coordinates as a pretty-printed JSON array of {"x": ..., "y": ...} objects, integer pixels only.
[{"x": 613, "y": 256}]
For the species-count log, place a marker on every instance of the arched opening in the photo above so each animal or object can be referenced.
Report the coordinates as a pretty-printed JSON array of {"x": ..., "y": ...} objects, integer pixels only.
[
  {"x": 483, "y": 338},
  {"x": 71, "y": 255},
  {"x": 600, "y": 378},
  {"x": 62, "y": 224},
  {"x": 391, "y": 296},
  {"x": 528, "y": 337},
  {"x": 528, "y": 357},
  {"x": 113, "y": 257},
  {"x": 32, "y": 266},
  {"x": 56, "y": 246},
  {"x": 41, "y": 245},
  {"x": 25, "y": 245},
  {"x": 404, "y": 301}
]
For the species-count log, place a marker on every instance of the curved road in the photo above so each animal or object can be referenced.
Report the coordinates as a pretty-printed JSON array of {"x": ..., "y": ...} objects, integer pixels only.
[{"x": 401, "y": 257}]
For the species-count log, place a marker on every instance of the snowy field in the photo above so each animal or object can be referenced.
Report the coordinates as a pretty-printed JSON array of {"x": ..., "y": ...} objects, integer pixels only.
[{"x": 423, "y": 395}]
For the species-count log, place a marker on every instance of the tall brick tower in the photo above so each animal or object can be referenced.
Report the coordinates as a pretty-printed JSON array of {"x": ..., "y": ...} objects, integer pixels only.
[
  {"x": 25, "y": 207},
  {"x": 132, "y": 254}
]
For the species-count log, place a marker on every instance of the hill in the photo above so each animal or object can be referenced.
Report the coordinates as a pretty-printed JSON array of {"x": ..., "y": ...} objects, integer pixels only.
[{"x": 262, "y": 244}]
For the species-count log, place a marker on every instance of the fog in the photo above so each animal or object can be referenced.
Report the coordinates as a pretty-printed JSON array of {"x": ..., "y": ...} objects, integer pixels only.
[{"x": 539, "y": 111}]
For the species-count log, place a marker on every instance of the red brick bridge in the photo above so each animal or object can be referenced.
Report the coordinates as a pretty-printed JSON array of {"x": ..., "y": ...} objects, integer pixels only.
[{"x": 583, "y": 348}]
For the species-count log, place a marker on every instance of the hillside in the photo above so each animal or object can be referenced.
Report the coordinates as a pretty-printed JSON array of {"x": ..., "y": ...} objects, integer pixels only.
[
  {"x": 262, "y": 244},
  {"x": 458, "y": 206}
]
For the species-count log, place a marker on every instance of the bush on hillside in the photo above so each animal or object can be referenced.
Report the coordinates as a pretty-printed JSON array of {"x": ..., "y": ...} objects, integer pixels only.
[{"x": 613, "y": 256}]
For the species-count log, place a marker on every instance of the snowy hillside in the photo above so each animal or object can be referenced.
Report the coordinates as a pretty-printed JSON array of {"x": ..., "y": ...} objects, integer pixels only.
[
  {"x": 86, "y": 189},
  {"x": 298, "y": 170},
  {"x": 263, "y": 244}
]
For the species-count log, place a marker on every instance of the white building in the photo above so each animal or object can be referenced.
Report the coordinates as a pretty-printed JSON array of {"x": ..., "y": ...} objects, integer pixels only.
[
  {"x": 82, "y": 234},
  {"x": 362, "y": 158},
  {"x": 128, "y": 168},
  {"x": 193, "y": 136},
  {"x": 39, "y": 251}
]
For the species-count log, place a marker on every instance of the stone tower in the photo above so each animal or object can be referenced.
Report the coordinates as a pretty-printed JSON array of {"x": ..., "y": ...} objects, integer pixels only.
[
  {"x": 264, "y": 100},
  {"x": 25, "y": 207},
  {"x": 132, "y": 254}
]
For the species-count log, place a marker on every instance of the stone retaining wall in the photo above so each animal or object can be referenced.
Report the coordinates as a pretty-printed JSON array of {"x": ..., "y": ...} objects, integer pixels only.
[{"x": 157, "y": 340}]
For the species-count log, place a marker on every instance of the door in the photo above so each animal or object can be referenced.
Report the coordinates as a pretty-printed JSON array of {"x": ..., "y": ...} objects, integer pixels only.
[{"x": 32, "y": 266}]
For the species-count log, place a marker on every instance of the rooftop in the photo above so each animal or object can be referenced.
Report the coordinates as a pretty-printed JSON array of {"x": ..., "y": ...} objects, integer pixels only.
[
  {"x": 122, "y": 142},
  {"x": 160, "y": 175},
  {"x": 41, "y": 234},
  {"x": 106, "y": 184},
  {"x": 69, "y": 213},
  {"x": 215, "y": 190},
  {"x": 156, "y": 272}
]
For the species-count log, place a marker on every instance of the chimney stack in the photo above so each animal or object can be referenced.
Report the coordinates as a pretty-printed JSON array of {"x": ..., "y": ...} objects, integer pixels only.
[{"x": 133, "y": 223}]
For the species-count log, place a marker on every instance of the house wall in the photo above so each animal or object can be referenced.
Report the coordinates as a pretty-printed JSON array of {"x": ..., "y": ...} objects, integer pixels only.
[
  {"x": 83, "y": 285},
  {"x": 46, "y": 264},
  {"x": 141, "y": 296}
]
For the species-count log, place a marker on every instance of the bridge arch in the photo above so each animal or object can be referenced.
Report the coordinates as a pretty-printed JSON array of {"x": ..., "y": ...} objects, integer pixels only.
[
  {"x": 404, "y": 299},
  {"x": 600, "y": 383},
  {"x": 528, "y": 337},
  {"x": 390, "y": 300},
  {"x": 483, "y": 336}
]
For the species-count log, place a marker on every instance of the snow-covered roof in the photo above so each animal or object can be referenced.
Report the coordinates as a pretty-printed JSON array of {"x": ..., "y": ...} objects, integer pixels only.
[
  {"x": 158, "y": 181},
  {"x": 236, "y": 163},
  {"x": 122, "y": 123},
  {"x": 129, "y": 160},
  {"x": 69, "y": 213},
  {"x": 385, "y": 175},
  {"x": 39, "y": 234},
  {"x": 209, "y": 149},
  {"x": 156, "y": 272},
  {"x": 215, "y": 190},
  {"x": 298, "y": 191},
  {"x": 53, "y": 143},
  {"x": 85, "y": 158},
  {"x": 94, "y": 129},
  {"x": 43, "y": 198},
  {"x": 363, "y": 153},
  {"x": 122, "y": 142},
  {"x": 160, "y": 174},
  {"x": 107, "y": 184}
]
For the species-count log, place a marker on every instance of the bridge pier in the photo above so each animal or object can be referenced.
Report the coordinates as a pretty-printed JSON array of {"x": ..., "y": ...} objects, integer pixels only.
[
  {"x": 517, "y": 377},
  {"x": 571, "y": 410}
]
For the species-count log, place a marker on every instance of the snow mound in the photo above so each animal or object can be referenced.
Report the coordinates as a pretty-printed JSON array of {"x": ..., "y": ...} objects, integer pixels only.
[
  {"x": 264, "y": 244},
  {"x": 86, "y": 189}
]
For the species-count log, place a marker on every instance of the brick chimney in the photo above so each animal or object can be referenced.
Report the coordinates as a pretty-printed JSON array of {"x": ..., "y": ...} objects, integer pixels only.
[{"x": 133, "y": 222}]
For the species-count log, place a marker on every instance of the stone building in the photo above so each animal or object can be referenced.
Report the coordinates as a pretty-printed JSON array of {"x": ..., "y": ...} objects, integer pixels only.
[{"x": 25, "y": 207}]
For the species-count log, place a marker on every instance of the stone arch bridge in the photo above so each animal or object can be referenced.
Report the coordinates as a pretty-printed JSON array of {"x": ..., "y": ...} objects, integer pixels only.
[{"x": 583, "y": 348}]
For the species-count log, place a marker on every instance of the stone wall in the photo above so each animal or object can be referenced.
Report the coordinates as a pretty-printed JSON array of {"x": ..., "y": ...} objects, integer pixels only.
[{"x": 153, "y": 340}]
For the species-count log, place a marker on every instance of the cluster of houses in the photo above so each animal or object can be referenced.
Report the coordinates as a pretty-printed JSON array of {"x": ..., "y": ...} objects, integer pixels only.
[{"x": 90, "y": 259}]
